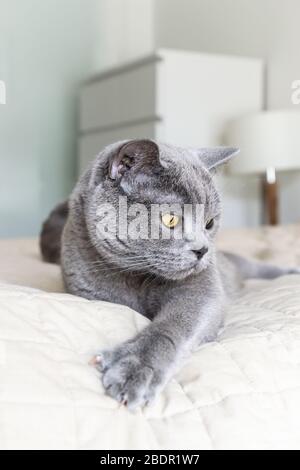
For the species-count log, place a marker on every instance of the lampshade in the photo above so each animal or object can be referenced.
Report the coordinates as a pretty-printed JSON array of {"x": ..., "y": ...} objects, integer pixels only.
[{"x": 269, "y": 139}]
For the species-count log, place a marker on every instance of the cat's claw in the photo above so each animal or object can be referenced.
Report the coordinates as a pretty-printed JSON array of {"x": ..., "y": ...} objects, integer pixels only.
[
  {"x": 95, "y": 361},
  {"x": 128, "y": 380}
]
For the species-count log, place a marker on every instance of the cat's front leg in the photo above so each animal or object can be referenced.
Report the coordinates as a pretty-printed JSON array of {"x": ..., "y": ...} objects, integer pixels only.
[
  {"x": 134, "y": 372},
  {"x": 137, "y": 370}
]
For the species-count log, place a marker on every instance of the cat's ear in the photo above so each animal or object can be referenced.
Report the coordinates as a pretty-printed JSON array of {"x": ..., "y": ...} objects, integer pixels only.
[
  {"x": 213, "y": 157},
  {"x": 134, "y": 156}
]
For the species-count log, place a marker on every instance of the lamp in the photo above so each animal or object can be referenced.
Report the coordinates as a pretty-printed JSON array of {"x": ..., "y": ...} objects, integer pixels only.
[{"x": 269, "y": 142}]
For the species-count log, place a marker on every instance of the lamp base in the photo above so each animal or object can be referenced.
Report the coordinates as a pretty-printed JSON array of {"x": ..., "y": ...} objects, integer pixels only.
[{"x": 270, "y": 197}]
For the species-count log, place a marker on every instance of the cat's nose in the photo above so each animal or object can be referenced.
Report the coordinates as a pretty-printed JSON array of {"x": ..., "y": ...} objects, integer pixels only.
[{"x": 200, "y": 253}]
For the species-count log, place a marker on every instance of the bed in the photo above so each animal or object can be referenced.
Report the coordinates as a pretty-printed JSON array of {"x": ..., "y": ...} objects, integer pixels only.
[{"x": 239, "y": 392}]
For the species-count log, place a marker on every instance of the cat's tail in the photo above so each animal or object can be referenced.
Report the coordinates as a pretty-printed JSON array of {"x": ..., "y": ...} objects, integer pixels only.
[
  {"x": 254, "y": 269},
  {"x": 50, "y": 237}
]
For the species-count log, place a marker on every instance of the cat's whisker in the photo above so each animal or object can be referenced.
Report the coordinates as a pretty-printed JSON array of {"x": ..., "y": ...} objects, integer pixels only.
[{"x": 131, "y": 267}]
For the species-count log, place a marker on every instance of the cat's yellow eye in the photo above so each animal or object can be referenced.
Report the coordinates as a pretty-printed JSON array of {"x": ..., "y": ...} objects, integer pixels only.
[{"x": 170, "y": 220}]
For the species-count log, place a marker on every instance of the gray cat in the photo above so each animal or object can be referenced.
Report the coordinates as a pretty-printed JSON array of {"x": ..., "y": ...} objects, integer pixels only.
[{"x": 183, "y": 285}]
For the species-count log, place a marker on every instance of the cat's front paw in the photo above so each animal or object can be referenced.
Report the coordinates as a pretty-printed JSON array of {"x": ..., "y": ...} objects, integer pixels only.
[{"x": 127, "y": 378}]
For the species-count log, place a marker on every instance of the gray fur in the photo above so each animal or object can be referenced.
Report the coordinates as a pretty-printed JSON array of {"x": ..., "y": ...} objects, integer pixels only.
[
  {"x": 161, "y": 279},
  {"x": 50, "y": 236}
]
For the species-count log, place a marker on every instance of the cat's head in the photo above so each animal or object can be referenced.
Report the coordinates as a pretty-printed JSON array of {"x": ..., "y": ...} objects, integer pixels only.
[{"x": 153, "y": 208}]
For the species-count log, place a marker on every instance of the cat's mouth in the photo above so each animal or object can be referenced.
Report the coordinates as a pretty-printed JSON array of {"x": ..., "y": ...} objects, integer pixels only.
[
  {"x": 186, "y": 273},
  {"x": 195, "y": 268}
]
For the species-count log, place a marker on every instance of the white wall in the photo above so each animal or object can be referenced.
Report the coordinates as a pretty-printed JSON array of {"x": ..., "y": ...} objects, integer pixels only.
[
  {"x": 45, "y": 51},
  {"x": 258, "y": 28},
  {"x": 126, "y": 31}
]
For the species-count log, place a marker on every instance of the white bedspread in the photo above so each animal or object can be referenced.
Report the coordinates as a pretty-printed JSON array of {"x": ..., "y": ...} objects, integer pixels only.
[{"x": 242, "y": 391}]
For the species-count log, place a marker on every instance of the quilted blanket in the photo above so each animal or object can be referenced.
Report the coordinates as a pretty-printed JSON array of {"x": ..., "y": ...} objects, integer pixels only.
[{"x": 239, "y": 392}]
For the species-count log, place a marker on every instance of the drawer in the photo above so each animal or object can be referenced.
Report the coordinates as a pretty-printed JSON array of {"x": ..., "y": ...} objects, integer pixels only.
[{"x": 119, "y": 97}]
